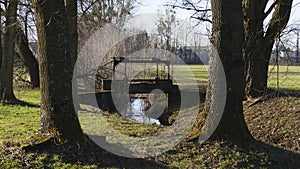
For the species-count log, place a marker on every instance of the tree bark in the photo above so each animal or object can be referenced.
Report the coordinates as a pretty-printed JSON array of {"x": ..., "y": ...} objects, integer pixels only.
[
  {"x": 57, "y": 110},
  {"x": 1, "y": 50},
  {"x": 24, "y": 52},
  {"x": 8, "y": 53},
  {"x": 258, "y": 44},
  {"x": 227, "y": 39},
  {"x": 71, "y": 9}
]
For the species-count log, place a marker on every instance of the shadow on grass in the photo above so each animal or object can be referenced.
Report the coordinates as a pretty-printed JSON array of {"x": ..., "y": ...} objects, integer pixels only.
[
  {"x": 277, "y": 157},
  {"x": 50, "y": 155},
  {"x": 17, "y": 102},
  {"x": 272, "y": 93},
  {"x": 90, "y": 154}
]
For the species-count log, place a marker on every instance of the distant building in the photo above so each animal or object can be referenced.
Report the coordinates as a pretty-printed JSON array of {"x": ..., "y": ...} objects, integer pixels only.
[
  {"x": 192, "y": 55},
  {"x": 285, "y": 57}
]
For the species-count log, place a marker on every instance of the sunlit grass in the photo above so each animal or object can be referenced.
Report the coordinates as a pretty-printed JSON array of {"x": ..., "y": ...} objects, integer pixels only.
[
  {"x": 195, "y": 72},
  {"x": 20, "y": 122},
  {"x": 288, "y": 77}
]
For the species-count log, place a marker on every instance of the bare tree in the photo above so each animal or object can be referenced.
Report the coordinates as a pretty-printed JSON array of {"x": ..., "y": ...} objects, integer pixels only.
[
  {"x": 58, "y": 117},
  {"x": 259, "y": 42},
  {"x": 7, "y": 94},
  {"x": 227, "y": 38},
  {"x": 200, "y": 8},
  {"x": 259, "y": 38},
  {"x": 23, "y": 50},
  {"x": 97, "y": 12},
  {"x": 164, "y": 26}
]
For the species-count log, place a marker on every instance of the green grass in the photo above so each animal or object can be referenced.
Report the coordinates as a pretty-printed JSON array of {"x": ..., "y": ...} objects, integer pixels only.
[
  {"x": 288, "y": 76},
  {"x": 184, "y": 155},
  {"x": 196, "y": 72},
  {"x": 20, "y": 122}
]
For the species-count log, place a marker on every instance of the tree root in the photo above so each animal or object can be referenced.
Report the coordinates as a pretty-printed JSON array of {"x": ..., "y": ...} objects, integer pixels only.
[{"x": 38, "y": 142}]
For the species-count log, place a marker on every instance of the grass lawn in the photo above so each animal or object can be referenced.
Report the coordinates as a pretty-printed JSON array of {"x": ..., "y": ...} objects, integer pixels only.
[
  {"x": 288, "y": 77},
  {"x": 20, "y": 122},
  {"x": 274, "y": 121},
  {"x": 196, "y": 72}
]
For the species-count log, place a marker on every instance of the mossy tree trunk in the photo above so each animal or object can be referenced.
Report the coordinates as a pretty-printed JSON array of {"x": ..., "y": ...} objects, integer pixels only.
[
  {"x": 57, "y": 110},
  {"x": 227, "y": 39},
  {"x": 7, "y": 95},
  {"x": 259, "y": 43},
  {"x": 24, "y": 52}
]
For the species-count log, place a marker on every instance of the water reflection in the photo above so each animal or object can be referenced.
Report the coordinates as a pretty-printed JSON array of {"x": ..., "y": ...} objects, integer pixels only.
[{"x": 136, "y": 111}]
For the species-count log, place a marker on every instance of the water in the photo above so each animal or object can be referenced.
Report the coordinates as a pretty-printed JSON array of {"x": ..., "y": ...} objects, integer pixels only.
[{"x": 136, "y": 111}]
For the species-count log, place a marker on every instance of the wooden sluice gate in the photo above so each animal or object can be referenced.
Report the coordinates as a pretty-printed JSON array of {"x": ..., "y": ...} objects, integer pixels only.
[
  {"x": 106, "y": 87},
  {"x": 104, "y": 95},
  {"x": 139, "y": 85}
]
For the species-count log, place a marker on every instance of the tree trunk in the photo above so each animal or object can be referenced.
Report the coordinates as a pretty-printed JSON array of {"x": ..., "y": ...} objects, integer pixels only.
[
  {"x": 71, "y": 9},
  {"x": 8, "y": 53},
  {"x": 57, "y": 110},
  {"x": 258, "y": 44},
  {"x": 255, "y": 80},
  {"x": 227, "y": 39},
  {"x": 1, "y": 50},
  {"x": 27, "y": 57}
]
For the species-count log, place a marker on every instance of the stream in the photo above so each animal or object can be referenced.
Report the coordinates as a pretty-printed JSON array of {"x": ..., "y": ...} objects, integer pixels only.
[{"x": 136, "y": 111}]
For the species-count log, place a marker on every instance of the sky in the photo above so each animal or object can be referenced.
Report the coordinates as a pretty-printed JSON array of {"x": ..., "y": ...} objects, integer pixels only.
[
  {"x": 147, "y": 22},
  {"x": 151, "y": 6},
  {"x": 295, "y": 14},
  {"x": 146, "y": 16}
]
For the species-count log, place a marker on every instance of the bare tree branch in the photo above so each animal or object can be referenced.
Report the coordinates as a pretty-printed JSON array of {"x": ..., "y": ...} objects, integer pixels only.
[
  {"x": 270, "y": 9},
  {"x": 202, "y": 19}
]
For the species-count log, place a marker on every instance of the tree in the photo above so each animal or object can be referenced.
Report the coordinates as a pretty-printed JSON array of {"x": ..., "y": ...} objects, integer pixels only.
[
  {"x": 227, "y": 38},
  {"x": 259, "y": 43},
  {"x": 24, "y": 52},
  {"x": 93, "y": 14},
  {"x": 25, "y": 30},
  {"x": 7, "y": 94},
  {"x": 71, "y": 8},
  {"x": 98, "y": 12},
  {"x": 200, "y": 8},
  {"x": 164, "y": 28},
  {"x": 1, "y": 87},
  {"x": 57, "y": 110}
]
